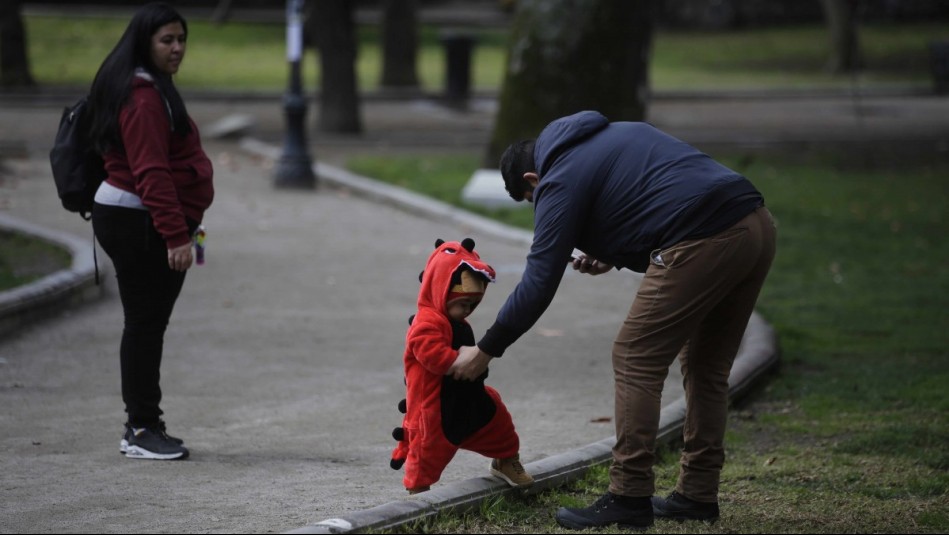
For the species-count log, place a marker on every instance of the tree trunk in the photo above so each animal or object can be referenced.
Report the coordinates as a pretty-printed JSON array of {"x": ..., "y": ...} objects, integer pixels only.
[
  {"x": 400, "y": 43},
  {"x": 333, "y": 27},
  {"x": 567, "y": 56},
  {"x": 14, "y": 64},
  {"x": 222, "y": 12},
  {"x": 845, "y": 54}
]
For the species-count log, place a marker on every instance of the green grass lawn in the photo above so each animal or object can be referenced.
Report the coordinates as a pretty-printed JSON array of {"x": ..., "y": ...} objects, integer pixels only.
[
  {"x": 790, "y": 57},
  {"x": 24, "y": 259},
  {"x": 251, "y": 57},
  {"x": 851, "y": 434}
]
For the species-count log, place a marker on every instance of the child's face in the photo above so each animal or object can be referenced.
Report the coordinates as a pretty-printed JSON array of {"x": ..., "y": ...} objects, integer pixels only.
[{"x": 461, "y": 308}]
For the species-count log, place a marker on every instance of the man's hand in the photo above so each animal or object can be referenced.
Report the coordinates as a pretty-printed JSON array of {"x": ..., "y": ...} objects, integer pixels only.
[
  {"x": 590, "y": 265},
  {"x": 179, "y": 258},
  {"x": 470, "y": 364}
]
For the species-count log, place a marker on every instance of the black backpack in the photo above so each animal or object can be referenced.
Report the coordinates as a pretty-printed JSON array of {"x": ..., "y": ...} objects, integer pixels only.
[{"x": 78, "y": 169}]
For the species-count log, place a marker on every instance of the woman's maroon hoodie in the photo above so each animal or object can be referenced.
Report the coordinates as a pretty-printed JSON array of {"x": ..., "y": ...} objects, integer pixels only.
[{"x": 169, "y": 172}]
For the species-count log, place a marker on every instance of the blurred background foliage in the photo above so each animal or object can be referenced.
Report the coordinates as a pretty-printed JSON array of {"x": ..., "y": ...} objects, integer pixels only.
[{"x": 718, "y": 45}]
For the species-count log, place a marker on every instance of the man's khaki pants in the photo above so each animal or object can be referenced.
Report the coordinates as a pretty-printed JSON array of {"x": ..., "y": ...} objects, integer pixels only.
[{"x": 694, "y": 302}]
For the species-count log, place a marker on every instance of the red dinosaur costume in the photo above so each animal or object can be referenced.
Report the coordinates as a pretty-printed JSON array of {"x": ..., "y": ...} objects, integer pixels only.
[{"x": 443, "y": 415}]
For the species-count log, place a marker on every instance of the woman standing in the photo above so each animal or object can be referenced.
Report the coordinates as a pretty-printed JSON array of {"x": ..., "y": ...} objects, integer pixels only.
[{"x": 150, "y": 206}]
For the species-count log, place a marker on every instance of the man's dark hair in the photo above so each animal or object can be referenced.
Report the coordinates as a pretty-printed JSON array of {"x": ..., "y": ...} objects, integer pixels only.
[{"x": 516, "y": 160}]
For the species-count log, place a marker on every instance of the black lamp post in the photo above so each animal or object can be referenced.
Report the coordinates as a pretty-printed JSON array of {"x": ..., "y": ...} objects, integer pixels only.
[{"x": 294, "y": 169}]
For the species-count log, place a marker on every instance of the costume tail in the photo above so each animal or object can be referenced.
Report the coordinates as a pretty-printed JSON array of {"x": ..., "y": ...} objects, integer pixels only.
[{"x": 401, "y": 451}]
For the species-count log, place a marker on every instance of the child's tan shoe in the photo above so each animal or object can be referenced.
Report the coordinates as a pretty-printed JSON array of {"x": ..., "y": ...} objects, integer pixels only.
[{"x": 512, "y": 471}]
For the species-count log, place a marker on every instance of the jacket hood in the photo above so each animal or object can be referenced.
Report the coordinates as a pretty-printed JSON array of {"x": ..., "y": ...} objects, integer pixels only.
[
  {"x": 563, "y": 133},
  {"x": 445, "y": 260}
]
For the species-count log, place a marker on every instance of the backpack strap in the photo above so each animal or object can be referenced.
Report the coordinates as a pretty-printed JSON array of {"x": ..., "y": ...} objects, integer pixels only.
[{"x": 95, "y": 257}]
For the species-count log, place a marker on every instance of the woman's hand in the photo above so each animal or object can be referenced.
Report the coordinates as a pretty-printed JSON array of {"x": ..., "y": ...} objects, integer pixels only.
[
  {"x": 589, "y": 265},
  {"x": 179, "y": 258}
]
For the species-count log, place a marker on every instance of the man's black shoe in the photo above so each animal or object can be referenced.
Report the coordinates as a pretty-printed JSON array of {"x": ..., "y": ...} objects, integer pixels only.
[
  {"x": 678, "y": 507},
  {"x": 610, "y": 509}
]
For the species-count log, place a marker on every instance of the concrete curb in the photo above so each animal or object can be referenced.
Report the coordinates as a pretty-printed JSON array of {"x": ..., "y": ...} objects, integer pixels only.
[
  {"x": 55, "y": 292},
  {"x": 757, "y": 356},
  {"x": 387, "y": 194}
]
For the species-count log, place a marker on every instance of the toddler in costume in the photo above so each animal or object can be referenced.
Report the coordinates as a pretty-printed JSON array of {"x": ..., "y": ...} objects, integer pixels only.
[{"x": 443, "y": 415}]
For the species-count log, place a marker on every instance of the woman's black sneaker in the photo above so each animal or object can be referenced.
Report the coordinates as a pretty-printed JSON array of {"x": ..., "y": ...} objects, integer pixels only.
[
  {"x": 610, "y": 509},
  {"x": 678, "y": 507},
  {"x": 124, "y": 444},
  {"x": 153, "y": 443}
]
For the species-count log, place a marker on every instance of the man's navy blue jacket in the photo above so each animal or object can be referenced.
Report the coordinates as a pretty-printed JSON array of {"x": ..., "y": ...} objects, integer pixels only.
[{"x": 616, "y": 191}]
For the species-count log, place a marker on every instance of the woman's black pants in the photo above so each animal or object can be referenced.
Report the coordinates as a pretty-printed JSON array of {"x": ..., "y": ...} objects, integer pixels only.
[{"x": 148, "y": 289}]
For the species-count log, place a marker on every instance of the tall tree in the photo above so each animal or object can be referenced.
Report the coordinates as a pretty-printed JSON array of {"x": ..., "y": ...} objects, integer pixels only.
[
  {"x": 841, "y": 18},
  {"x": 399, "y": 43},
  {"x": 14, "y": 65},
  {"x": 333, "y": 27},
  {"x": 570, "y": 55}
]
